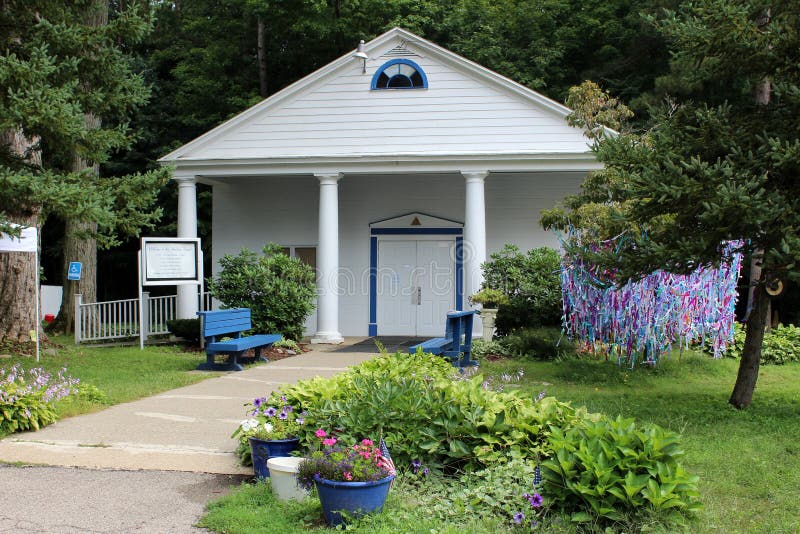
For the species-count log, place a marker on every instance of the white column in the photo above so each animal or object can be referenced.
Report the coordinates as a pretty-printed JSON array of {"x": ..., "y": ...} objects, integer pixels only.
[
  {"x": 328, "y": 261},
  {"x": 474, "y": 234},
  {"x": 186, "y": 306}
]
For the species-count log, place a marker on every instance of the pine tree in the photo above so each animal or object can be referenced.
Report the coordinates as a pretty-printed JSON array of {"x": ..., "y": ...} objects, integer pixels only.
[
  {"x": 720, "y": 162},
  {"x": 55, "y": 83}
]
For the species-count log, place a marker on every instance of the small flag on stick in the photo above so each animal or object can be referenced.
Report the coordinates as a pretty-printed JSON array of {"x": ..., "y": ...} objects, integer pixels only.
[{"x": 386, "y": 458}]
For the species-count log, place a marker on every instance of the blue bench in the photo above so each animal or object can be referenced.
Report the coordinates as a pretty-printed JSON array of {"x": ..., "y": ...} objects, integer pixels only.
[
  {"x": 456, "y": 345},
  {"x": 231, "y": 323}
]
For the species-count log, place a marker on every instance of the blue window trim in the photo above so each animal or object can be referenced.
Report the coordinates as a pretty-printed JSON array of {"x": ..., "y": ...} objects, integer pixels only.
[
  {"x": 373, "y": 265},
  {"x": 402, "y": 61}
]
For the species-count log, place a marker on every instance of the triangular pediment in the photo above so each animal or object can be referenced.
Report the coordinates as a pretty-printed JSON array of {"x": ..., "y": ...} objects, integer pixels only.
[
  {"x": 416, "y": 219},
  {"x": 465, "y": 109}
]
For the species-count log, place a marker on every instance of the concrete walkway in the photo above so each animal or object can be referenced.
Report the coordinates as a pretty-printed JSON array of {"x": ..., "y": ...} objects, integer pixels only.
[{"x": 186, "y": 429}]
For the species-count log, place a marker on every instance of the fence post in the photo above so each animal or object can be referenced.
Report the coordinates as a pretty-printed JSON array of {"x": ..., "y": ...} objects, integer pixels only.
[
  {"x": 145, "y": 326},
  {"x": 78, "y": 325}
]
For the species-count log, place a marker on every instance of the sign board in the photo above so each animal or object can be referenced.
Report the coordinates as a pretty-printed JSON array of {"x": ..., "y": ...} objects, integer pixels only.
[
  {"x": 26, "y": 242},
  {"x": 169, "y": 261},
  {"x": 74, "y": 271}
]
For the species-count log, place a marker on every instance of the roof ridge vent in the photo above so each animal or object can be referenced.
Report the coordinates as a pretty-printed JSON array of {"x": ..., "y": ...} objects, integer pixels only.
[{"x": 400, "y": 51}]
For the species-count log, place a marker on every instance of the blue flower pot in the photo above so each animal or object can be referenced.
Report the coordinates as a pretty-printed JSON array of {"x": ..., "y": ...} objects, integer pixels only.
[
  {"x": 262, "y": 450},
  {"x": 355, "y": 498}
]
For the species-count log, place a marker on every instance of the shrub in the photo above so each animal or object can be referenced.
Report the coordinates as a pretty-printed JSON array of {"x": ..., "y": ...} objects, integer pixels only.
[
  {"x": 279, "y": 290},
  {"x": 781, "y": 344},
  {"x": 489, "y": 298},
  {"x": 188, "y": 329},
  {"x": 532, "y": 284},
  {"x": 26, "y": 398},
  {"x": 501, "y": 491},
  {"x": 613, "y": 470},
  {"x": 482, "y": 348},
  {"x": 539, "y": 343},
  {"x": 288, "y": 344},
  {"x": 425, "y": 409}
]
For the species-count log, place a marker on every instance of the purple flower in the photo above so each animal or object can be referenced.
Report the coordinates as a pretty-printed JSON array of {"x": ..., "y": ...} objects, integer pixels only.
[
  {"x": 288, "y": 408},
  {"x": 416, "y": 464},
  {"x": 536, "y": 500},
  {"x": 283, "y": 416},
  {"x": 518, "y": 517},
  {"x": 300, "y": 420},
  {"x": 257, "y": 403},
  {"x": 426, "y": 471},
  {"x": 270, "y": 412}
]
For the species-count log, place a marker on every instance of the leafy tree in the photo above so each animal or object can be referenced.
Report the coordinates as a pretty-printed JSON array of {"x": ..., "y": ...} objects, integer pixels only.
[
  {"x": 53, "y": 80},
  {"x": 720, "y": 162}
]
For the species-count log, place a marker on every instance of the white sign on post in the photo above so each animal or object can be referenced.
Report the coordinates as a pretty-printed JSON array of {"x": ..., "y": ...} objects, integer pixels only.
[
  {"x": 26, "y": 242},
  {"x": 168, "y": 261}
]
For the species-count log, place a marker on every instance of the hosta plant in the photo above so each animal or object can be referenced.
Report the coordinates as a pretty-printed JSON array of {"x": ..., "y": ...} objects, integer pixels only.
[
  {"x": 611, "y": 469},
  {"x": 27, "y": 397}
]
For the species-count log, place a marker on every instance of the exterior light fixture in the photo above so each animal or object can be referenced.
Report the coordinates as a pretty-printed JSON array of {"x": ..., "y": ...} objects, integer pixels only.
[{"x": 360, "y": 54}]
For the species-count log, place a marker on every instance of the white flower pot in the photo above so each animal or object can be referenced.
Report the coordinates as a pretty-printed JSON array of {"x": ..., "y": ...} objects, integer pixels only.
[
  {"x": 488, "y": 316},
  {"x": 283, "y": 474}
]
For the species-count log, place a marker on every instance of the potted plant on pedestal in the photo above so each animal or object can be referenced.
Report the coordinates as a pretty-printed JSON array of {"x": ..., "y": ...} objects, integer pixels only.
[
  {"x": 269, "y": 432},
  {"x": 490, "y": 300},
  {"x": 354, "y": 479}
]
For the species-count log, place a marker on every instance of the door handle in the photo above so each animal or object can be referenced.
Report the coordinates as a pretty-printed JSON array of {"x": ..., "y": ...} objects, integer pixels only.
[{"x": 416, "y": 296}]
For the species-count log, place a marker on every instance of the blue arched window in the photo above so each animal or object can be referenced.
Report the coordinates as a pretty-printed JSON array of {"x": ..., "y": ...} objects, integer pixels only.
[{"x": 400, "y": 74}]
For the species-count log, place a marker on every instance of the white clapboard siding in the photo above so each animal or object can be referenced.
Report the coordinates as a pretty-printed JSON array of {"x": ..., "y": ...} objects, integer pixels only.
[{"x": 463, "y": 111}]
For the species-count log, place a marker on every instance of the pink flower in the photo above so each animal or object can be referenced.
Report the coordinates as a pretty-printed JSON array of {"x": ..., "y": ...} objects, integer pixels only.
[
  {"x": 347, "y": 475},
  {"x": 366, "y": 441},
  {"x": 320, "y": 433},
  {"x": 329, "y": 441}
]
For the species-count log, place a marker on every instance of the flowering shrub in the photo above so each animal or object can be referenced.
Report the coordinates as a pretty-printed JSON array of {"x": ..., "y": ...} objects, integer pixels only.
[
  {"x": 26, "y": 398},
  {"x": 361, "y": 462}
]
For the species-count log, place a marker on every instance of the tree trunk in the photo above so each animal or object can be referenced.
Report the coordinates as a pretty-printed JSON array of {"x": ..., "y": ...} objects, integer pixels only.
[
  {"x": 79, "y": 245},
  {"x": 751, "y": 354},
  {"x": 262, "y": 59},
  {"x": 18, "y": 269}
]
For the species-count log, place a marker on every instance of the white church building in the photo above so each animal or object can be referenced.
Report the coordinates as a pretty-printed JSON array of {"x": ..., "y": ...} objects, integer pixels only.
[{"x": 394, "y": 171}]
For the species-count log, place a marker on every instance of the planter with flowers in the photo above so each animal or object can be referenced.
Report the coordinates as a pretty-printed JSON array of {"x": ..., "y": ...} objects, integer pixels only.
[
  {"x": 350, "y": 479},
  {"x": 269, "y": 432},
  {"x": 490, "y": 301}
]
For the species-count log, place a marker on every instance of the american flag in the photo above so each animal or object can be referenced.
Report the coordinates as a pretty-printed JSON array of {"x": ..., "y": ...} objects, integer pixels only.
[{"x": 386, "y": 459}]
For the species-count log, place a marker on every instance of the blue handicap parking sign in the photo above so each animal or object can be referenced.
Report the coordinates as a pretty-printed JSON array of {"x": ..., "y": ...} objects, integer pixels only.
[{"x": 74, "y": 272}]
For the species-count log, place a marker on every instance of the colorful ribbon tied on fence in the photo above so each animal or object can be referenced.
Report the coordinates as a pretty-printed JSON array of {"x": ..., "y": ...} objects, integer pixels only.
[{"x": 644, "y": 320}]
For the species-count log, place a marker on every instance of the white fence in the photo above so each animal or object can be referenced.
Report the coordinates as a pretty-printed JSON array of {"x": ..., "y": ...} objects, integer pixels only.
[{"x": 119, "y": 319}]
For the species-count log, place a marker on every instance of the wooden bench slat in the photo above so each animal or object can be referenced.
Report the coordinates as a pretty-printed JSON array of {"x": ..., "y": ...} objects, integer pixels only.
[
  {"x": 232, "y": 323},
  {"x": 457, "y": 343}
]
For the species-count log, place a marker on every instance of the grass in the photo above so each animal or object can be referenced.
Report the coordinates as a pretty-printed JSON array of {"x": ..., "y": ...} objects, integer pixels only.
[
  {"x": 748, "y": 461},
  {"x": 122, "y": 374}
]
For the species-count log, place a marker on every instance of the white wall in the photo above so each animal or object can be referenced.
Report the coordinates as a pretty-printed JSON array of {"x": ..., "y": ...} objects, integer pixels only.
[
  {"x": 284, "y": 210},
  {"x": 459, "y": 113}
]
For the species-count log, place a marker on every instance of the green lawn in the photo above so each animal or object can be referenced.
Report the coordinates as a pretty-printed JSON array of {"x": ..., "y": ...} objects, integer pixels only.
[
  {"x": 121, "y": 373},
  {"x": 748, "y": 461}
]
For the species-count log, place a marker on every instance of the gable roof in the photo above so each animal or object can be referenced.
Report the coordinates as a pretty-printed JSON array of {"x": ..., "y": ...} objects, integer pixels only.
[{"x": 332, "y": 114}]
